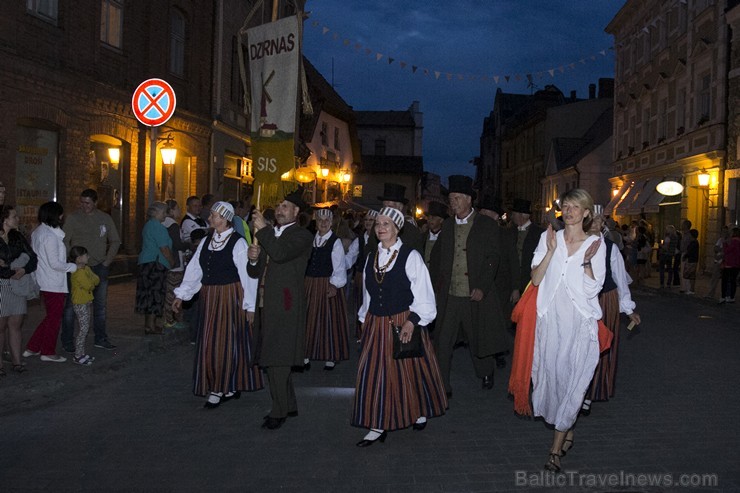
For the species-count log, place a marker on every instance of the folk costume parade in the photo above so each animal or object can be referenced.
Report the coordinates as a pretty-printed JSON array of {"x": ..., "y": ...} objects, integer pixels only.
[
  {"x": 392, "y": 394},
  {"x": 326, "y": 275},
  {"x": 224, "y": 365}
]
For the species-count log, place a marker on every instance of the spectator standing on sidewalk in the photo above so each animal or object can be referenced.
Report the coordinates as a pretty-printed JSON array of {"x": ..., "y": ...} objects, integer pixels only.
[
  {"x": 13, "y": 307},
  {"x": 684, "y": 245},
  {"x": 691, "y": 258},
  {"x": 717, "y": 262},
  {"x": 224, "y": 363},
  {"x": 93, "y": 229},
  {"x": 569, "y": 267},
  {"x": 666, "y": 253},
  {"x": 47, "y": 240},
  {"x": 155, "y": 259},
  {"x": 278, "y": 259},
  {"x": 730, "y": 266},
  {"x": 84, "y": 281}
]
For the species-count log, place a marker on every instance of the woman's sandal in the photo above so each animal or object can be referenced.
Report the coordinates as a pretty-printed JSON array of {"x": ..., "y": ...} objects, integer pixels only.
[
  {"x": 567, "y": 445},
  {"x": 19, "y": 369},
  {"x": 553, "y": 462}
]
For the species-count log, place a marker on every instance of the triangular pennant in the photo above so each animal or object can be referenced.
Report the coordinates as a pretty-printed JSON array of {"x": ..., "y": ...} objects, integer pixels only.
[
  {"x": 495, "y": 79},
  {"x": 529, "y": 78},
  {"x": 572, "y": 65},
  {"x": 592, "y": 57},
  {"x": 378, "y": 56},
  {"x": 413, "y": 69},
  {"x": 449, "y": 76},
  {"x": 336, "y": 36},
  {"x": 603, "y": 52},
  {"x": 460, "y": 77},
  {"x": 402, "y": 64},
  {"x": 552, "y": 72},
  {"x": 562, "y": 69},
  {"x": 315, "y": 23},
  {"x": 390, "y": 60},
  {"x": 358, "y": 46},
  {"x": 324, "y": 30},
  {"x": 583, "y": 61},
  {"x": 426, "y": 71},
  {"x": 437, "y": 74},
  {"x": 368, "y": 51},
  {"x": 507, "y": 78},
  {"x": 345, "y": 42},
  {"x": 517, "y": 77}
]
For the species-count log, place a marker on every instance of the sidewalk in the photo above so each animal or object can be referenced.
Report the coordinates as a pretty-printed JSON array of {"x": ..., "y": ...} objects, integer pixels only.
[{"x": 45, "y": 382}]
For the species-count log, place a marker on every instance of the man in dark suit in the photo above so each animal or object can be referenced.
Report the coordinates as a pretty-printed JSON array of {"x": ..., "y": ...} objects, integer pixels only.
[
  {"x": 465, "y": 262},
  {"x": 528, "y": 236},
  {"x": 436, "y": 214},
  {"x": 279, "y": 258}
]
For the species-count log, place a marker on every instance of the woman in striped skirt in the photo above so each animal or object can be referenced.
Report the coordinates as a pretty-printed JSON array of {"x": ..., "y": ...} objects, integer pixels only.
[
  {"x": 614, "y": 298},
  {"x": 326, "y": 275},
  {"x": 392, "y": 394},
  {"x": 223, "y": 354}
]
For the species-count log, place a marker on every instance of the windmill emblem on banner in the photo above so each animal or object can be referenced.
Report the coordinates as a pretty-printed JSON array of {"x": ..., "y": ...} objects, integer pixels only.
[{"x": 266, "y": 129}]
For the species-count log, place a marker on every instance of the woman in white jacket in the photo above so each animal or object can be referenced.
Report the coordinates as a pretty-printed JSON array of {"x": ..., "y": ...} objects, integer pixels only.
[{"x": 51, "y": 274}]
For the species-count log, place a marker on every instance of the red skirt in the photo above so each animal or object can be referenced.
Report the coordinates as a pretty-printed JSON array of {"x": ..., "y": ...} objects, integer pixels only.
[
  {"x": 326, "y": 322},
  {"x": 392, "y": 394}
]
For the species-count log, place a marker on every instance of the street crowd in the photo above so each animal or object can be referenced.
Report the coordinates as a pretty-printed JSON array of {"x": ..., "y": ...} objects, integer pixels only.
[{"x": 265, "y": 293}]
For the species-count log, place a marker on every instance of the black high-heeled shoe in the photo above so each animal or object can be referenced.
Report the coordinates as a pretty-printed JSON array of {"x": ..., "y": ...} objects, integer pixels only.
[
  {"x": 235, "y": 395},
  {"x": 553, "y": 462},
  {"x": 366, "y": 443}
]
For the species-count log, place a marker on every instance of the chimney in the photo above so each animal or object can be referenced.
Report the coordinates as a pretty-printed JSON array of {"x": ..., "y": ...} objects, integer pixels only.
[
  {"x": 573, "y": 95},
  {"x": 606, "y": 88},
  {"x": 591, "y": 91}
]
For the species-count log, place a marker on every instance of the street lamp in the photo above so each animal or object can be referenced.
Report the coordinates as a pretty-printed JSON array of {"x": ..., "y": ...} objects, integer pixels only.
[
  {"x": 168, "y": 151},
  {"x": 704, "y": 179},
  {"x": 114, "y": 155}
]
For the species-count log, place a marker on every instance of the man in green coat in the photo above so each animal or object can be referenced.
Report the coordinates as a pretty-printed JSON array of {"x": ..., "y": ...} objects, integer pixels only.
[
  {"x": 278, "y": 258},
  {"x": 464, "y": 267}
]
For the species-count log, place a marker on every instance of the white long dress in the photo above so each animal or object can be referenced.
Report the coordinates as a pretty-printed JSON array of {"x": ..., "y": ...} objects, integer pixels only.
[{"x": 566, "y": 348}]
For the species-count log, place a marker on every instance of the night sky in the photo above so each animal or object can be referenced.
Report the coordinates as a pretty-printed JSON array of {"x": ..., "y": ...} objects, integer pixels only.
[{"x": 475, "y": 39}]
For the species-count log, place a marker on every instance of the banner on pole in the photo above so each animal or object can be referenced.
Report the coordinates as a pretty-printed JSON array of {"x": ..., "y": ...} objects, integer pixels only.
[{"x": 274, "y": 56}]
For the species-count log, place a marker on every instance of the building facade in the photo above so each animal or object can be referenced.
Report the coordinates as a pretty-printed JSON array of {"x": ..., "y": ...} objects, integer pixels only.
[{"x": 670, "y": 114}]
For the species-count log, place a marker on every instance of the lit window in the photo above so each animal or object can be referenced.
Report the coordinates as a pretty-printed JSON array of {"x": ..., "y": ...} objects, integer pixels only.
[
  {"x": 111, "y": 22},
  {"x": 177, "y": 43},
  {"x": 46, "y": 9},
  {"x": 336, "y": 138}
]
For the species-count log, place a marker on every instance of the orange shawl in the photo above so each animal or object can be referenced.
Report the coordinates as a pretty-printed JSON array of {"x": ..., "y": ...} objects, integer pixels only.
[{"x": 524, "y": 316}]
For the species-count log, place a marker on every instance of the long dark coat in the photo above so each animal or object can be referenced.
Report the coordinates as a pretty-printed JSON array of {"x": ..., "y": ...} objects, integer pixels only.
[
  {"x": 281, "y": 326},
  {"x": 484, "y": 256},
  {"x": 530, "y": 245}
]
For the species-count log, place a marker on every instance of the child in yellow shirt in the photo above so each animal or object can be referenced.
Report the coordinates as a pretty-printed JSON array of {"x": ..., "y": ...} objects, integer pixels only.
[{"x": 84, "y": 280}]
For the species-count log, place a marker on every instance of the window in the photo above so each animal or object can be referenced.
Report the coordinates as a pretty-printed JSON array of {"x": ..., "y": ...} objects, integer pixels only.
[
  {"x": 662, "y": 117},
  {"x": 177, "y": 43},
  {"x": 336, "y": 138},
  {"x": 111, "y": 22},
  {"x": 380, "y": 147},
  {"x": 46, "y": 9},
  {"x": 645, "y": 126},
  {"x": 324, "y": 134},
  {"x": 236, "y": 93},
  {"x": 681, "y": 109},
  {"x": 705, "y": 99}
]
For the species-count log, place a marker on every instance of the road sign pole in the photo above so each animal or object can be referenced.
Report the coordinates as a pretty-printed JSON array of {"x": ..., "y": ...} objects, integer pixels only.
[{"x": 152, "y": 166}]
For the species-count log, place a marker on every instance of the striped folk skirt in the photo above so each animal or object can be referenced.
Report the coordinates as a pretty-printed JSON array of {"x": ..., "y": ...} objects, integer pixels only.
[
  {"x": 392, "y": 394},
  {"x": 357, "y": 290},
  {"x": 326, "y": 322},
  {"x": 224, "y": 343},
  {"x": 602, "y": 386}
]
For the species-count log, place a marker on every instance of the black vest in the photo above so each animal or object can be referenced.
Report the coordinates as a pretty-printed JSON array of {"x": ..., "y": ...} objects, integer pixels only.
[
  {"x": 198, "y": 220},
  {"x": 609, "y": 283},
  {"x": 319, "y": 265},
  {"x": 218, "y": 266},
  {"x": 394, "y": 294}
]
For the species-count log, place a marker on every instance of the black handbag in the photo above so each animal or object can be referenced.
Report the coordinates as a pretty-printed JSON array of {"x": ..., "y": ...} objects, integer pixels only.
[{"x": 411, "y": 349}]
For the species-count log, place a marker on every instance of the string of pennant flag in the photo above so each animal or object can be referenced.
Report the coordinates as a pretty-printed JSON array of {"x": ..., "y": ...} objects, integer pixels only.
[{"x": 442, "y": 74}]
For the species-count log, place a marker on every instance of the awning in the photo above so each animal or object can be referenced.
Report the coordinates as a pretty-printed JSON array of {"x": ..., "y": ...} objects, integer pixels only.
[
  {"x": 645, "y": 194},
  {"x": 652, "y": 206},
  {"x": 617, "y": 198},
  {"x": 626, "y": 203}
]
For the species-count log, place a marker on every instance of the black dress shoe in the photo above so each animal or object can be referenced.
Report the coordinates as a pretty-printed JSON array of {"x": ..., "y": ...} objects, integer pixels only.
[
  {"x": 306, "y": 366},
  {"x": 212, "y": 405},
  {"x": 488, "y": 382},
  {"x": 449, "y": 394},
  {"x": 291, "y": 414},
  {"x": 273, "y": 423},
  {"x": 420, "y": 426},
  {"x": 328, "y": 368},
  {"x": 366, "y": 443},
  {"x": 235, "y": 395}
]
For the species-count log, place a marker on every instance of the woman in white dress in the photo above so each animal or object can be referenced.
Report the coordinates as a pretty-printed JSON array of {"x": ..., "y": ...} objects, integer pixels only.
[{"x": 569, "y": 267}]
